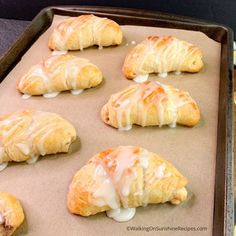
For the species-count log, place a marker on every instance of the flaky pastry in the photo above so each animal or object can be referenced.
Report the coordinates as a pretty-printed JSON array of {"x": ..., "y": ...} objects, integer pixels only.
[
  {"x": 148, "y": 104},
  {"x": 161, "y": 55},
  {"x": 28, "y": 134},
  {"x": 11, "y": 214},
  {"x": 117, "y": 180},
  {"x": 60, "y": 73},
  {"x": 84, "y": 31}
]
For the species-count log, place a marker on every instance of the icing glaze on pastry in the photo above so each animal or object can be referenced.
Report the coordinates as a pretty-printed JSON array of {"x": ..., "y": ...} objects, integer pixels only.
[
  {"x": 54, "y": 53},
  {"x": 76, "y": 91},
  {"x": 59, "y": 73},
  {"x": 134, "y": 104},
  {"x": 162, "y": 55},
  {"x": 32, "y": 160},
  {"x": 28, "y": 134},
  {"x": 26, "y": 96},
  {"x": 84, "y": 31},
  {"x": 118, "y": 180},
  {"x": 51, "y": 95},
  {"x": 121, "y": 214},
  {"x": 163, "y": 75},
  {"x": 3, "y": 166},
  {"x": 141, "y": 78}
]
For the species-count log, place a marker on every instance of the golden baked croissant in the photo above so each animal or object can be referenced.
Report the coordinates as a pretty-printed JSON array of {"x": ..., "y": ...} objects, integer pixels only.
[
  {"x": 124, "y": 177},
  {"x": 26, "y": 135},
  {"x": 150, "y": 103},
  {"x": 11, "y": 214},
  {"x": 84, "y": 31},
  {"x": 60, "y": 73},
  {"x": 161, "y": 55}
]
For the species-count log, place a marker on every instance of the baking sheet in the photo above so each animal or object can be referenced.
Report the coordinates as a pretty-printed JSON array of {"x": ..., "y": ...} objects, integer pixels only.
[{"x": 42, "y": 187}]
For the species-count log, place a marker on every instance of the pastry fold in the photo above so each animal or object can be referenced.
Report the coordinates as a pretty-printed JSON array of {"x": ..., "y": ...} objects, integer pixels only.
[
  {"x": 84, "y": 31},
  {"x": 60, "y": 73},
  {"x": 161, "y": 55},
  {"x": 124, "y": 177},
  {"x": 25, "y": 135},
  {"x": 11, "y": 214},
  {"x": 148, "y": 104}
]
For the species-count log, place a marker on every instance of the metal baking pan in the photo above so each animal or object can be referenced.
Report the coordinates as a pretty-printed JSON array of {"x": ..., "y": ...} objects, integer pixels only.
[{"x": 223, "y": 199}]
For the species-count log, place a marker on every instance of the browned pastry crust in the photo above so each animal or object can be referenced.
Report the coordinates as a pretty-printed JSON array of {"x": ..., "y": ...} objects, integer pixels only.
[
  {"x": 124, "y": 177},
  {"x": 60, "y": 73},
  {"x": 11, "y": 214},
  {"x": 27, "y": 134},
  {"x": 160, "y": 55},
  {"x": 84, "y": 31},
  {"x": 148, "y": 104}
]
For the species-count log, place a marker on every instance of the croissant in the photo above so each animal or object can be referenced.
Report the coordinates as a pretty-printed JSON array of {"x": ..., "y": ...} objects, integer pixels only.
[
  {"x": 60, "y": 73},
  {"x": 161, "y": 55},
  {"x": 25, "y": 135},
  {"x": 84, "y": 31},
  {"x": 119, "y": 179},
  {"x": 150, "y": 103},
  {"x": 11, "y": 214}
]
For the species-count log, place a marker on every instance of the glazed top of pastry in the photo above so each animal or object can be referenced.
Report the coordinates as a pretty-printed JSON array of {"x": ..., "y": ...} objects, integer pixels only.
[
  {"x": 162, "y": 54},
  {"x": 51, "y": 67},
  {"x": 118, "y": 168},
  {"x": 28, "y": 129},
  {"x": 73, "y": 28},
  {"x": 147, "y": 95}
]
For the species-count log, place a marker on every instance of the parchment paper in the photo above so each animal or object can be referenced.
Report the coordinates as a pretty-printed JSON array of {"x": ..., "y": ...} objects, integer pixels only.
[{"x": 42, "y": 187}]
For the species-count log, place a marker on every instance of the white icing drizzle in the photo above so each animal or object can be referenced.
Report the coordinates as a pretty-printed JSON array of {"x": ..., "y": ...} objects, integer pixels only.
[
  {"x": 121, "y": 214},
  {"x": 35, "y": 71},
  {"x": 163, "y": 75},
  {"x": 2, "y": 219},
  {"x": 39, "y": 72},
  {"x": 116, "y": 184},
  {"x": 26, "y": 96},
  {"x": 63, "y": 31},
  {"x": 24, "y": 148},
  {"x": 40, "y": 125},
  {"x": 141, "y": 78},
  {"x": 32, "y": 160},
  {"x": 144, "y": 160},
  {"x": 49, "y": 69},
  {"x": 126, "y": 128},
  {"x": 106, "y": 193},
  {"x": 133, "y": 42},
  {"x": 177, "y": 72},
  {"x": 55, "y": 53},
  {"x": 124, "y": 160},
  {"x": 98, "y": 26},
  {"x": 76, "y": 91},
  {"x": 100, "y": 47},
  {"x": 160, "y": 172},
  {"x": 51, "y": 94},
  {"x": 116, "y": 172},
  {"x": 72, "y": 69},
  {"x": 172, "y": 125},
  {"x": 144, "y": 96},
  {"x": 168, "y": 57},
  {"x": 3, "y": 166}
]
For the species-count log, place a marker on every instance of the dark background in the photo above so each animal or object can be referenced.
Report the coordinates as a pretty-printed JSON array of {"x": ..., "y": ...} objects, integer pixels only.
[{"x": 220, "y": 11}]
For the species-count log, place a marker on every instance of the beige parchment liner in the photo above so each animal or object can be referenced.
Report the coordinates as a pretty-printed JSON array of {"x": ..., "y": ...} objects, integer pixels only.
[{"x": 42, "y": 187}]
